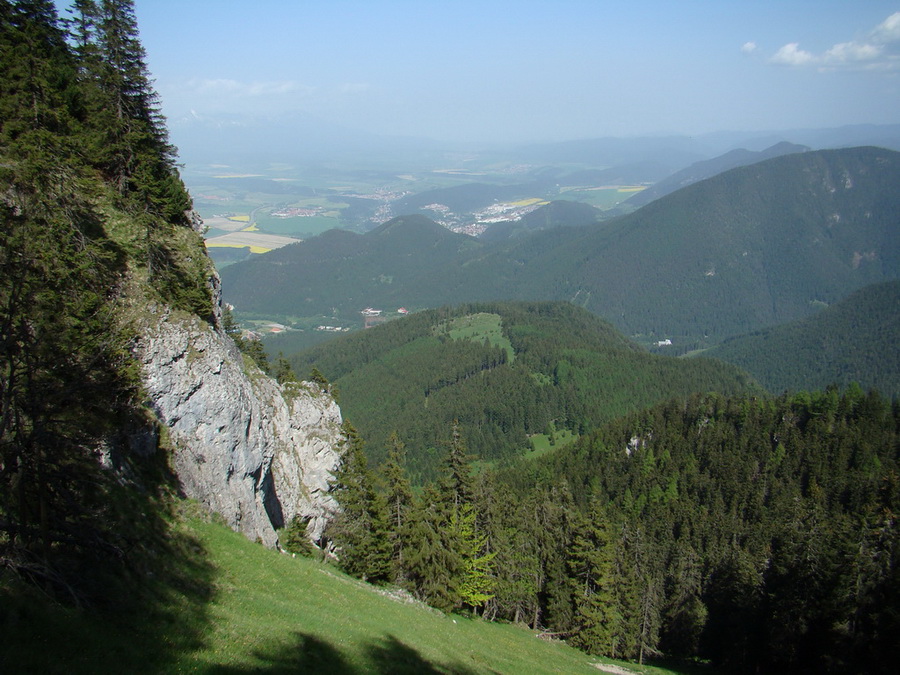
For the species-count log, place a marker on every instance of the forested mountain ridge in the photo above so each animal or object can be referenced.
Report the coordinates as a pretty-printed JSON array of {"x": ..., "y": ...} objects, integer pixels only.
[
  {"x": 709, "y": 168},
  {"x": 500, "y": 372},
  {"x": 757, "y": 534},
  {"x": 750, "y": 248},
  {"x": 854, "y": 340},
  {"x": 349, "y": 271}
]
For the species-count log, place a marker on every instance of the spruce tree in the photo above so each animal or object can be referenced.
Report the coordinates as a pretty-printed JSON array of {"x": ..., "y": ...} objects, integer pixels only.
[
  {"x": 399, "y": 499},
  {"x": 65, "y": 380},
  {"x": 475, "y": 584},
  {"x": 360, "y": 529},
  {"x": 432, "y": 564},
  {"x": 592, "y": 568}
]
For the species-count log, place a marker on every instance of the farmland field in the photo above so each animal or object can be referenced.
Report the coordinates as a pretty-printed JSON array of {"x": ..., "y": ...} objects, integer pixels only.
[
  {"x": 239, "y": 203},
  {"x": 605, "y": 197},
  {"x": 299, "y": 227},
  {"x": 257, "y": 242}
]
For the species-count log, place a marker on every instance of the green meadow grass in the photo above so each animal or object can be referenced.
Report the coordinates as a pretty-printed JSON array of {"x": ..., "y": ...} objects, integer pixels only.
[
  {"x": 299, "y": 227},
  {"x": 239, "y": 608},
  {"x": 540, "y": 443},
  {"x": 477, "y": 327}
]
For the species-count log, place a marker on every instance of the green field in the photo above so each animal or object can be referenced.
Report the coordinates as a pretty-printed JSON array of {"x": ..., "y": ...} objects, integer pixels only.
[
  {"x": 602, "y": 198},
  {"x": 480, "y": 327},
  {"x": 541, "y": 443},
  {"x": 241, "y": 608},
  {"x": 297, "y": 227}
]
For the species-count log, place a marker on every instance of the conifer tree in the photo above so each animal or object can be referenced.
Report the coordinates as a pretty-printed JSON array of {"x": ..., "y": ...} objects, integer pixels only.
[
  {"x": 592, "y": 566},
  {"x": 432, "y": 564},
  {"x": 476, "y": 583},
  {"x": 64, "y": 376},
  {"x": 456, "y": 484},
  {"x": 399, "y": 499},
  {"x": 360, "y": 529}
]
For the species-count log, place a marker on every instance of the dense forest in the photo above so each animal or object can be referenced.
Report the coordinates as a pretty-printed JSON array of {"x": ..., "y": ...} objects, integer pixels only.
[
  {"x": 501, "y": 371},
  {"x": 757, "y": 533},
  {"x": 95, "y": 224},
  {"x": 854, "y": 340}
]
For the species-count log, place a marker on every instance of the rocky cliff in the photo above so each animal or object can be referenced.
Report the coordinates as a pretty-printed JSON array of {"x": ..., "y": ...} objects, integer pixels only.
[{"x": 254, "y": 451}]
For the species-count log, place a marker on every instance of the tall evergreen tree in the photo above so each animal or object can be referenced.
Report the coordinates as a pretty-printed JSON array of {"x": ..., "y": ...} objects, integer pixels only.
[
  {"x": 65, "y": 380},
  {"x": 432, "y": 564},
  {"x": 456, "y": 484},
  {"x": 475, "y": 584},
  {"x": 360, "y": 529},
  {"x": 399, "y": 500},
  {"x": 592, "y": 566}
]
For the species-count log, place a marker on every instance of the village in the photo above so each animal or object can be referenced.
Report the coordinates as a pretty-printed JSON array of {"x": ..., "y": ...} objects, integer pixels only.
[{"x": 476, "y": 223}]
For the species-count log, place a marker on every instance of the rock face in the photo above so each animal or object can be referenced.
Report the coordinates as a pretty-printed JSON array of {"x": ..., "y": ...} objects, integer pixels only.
[{"x": 248, "y": 448}]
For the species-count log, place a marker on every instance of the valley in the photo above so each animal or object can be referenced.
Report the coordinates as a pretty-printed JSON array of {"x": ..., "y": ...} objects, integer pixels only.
[
  {"x": 742, "y": 250},
  {"x": 278, "y": 204},
  {"x": 599, "y": 426}
]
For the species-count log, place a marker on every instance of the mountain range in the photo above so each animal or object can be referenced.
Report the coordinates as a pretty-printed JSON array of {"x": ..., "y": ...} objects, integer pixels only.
[
  {"x": 709, "y": 168},
  {"x": 749, "y": 248}
]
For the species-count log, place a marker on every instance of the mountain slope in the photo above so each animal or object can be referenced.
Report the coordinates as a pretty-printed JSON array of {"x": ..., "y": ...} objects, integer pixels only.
[
  {"x": 502, "y": 372},
  {"x": 242, "y": 608},
  {"x": 854, "y": 340},
  {"x": 749, "y": 248},
  {"x": 752, "y": 247},
  {"x": 709, "y": 168},
  {"x": 348, "y": 271}
]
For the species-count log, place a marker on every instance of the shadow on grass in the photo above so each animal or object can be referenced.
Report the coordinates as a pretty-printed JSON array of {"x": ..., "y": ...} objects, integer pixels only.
[
  {"x": 136, "y": 604},
  {"x": 310, "y": 654}
]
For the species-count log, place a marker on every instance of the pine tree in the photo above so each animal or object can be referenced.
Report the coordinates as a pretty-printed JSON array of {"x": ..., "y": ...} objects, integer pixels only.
[
  {"x": 399, "y": 499},
  {"x": 282, "y": 370},
  {"x": 360, "y": 529},
  {"x": 475, "y": 584},
  {"x": 592, "y": 568},
  {"x": 432, "y": 564},
  {"x": 65, "y": 379},
  {"x": 457, "y": 481}
]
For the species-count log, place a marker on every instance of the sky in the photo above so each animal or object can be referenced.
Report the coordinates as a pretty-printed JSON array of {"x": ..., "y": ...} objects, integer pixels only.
[{"x": 504, "y": 70}]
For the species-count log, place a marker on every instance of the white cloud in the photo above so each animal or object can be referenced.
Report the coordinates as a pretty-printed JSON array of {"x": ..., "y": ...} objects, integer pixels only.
[
  {"x": 888, "y": 30},
  {"x": 792, "y": 55},
  {"x": 850, "y": 52},
  {"x": 748, "y": 47},
  {"x": 877, "y": 50}
]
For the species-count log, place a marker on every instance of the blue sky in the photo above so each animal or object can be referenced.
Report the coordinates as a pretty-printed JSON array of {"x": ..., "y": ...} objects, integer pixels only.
[{"x": 515, "y": 71}]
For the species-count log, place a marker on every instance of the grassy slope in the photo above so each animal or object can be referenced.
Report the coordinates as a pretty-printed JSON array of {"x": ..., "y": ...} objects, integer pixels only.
[{"x": 267, "y": 612}]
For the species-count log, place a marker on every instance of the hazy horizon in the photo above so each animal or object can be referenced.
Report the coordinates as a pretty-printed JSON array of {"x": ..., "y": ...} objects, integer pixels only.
[{"x": 522, "y": 71}]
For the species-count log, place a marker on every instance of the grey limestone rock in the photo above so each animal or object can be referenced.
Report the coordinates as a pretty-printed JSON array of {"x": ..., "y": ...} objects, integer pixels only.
[{"x": 254, "y": 451}]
